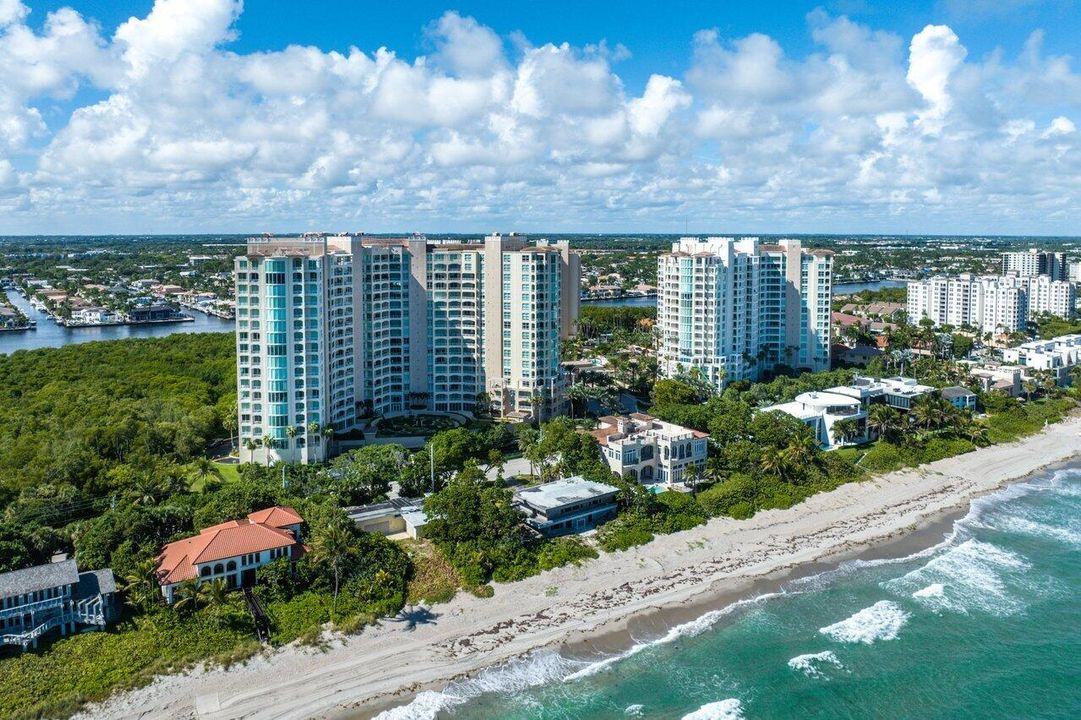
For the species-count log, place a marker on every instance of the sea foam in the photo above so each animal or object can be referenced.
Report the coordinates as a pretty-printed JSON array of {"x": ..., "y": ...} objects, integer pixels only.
[
  {"x": 881, "y": 621},
  {"x": 973, "y": 577},
  {"x": 539, "y": 668},
  {"x": 688, "y": 629},
  {"x": 813, "y": 664},
  {"x": 730, "y": 709}
]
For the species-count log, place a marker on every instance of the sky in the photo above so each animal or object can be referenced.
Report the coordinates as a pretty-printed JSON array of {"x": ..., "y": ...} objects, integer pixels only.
[{"x": 850, "y": 116}]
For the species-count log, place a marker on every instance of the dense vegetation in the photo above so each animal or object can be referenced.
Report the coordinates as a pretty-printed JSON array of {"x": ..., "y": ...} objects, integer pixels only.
[{"x": 86, "y": 426}]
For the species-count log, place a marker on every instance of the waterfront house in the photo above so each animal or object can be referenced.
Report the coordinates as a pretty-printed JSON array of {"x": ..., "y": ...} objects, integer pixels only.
[
  {"x": 231, "y": 551},
  {"x": 960, "y": 397},
  {"x": 396, "y": 518},
  {"x": 567, "y": 506},
  {"x": 649, "y": 450},
  {"x": 38, "y": 599},
  {"x": 822, "y": 410}
]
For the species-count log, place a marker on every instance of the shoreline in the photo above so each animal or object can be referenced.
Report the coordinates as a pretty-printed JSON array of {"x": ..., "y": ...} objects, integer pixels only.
[{"x": 594, "y": 611}]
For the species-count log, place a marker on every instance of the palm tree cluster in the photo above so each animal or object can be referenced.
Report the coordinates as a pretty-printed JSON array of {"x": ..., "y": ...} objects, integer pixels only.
[
  {"x": 313, "y": 434},
  {"x": 929, "y": 414}
]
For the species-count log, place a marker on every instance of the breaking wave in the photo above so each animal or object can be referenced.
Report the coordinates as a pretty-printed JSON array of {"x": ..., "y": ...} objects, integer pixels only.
[{"x": 881, "y": 621}]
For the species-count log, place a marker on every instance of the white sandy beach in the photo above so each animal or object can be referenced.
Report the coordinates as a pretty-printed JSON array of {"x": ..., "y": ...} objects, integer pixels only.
[{"x": 568, "y": 604}]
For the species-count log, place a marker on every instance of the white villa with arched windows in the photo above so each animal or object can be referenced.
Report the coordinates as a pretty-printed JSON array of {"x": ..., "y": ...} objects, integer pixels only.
[
  {"x": 231, "y": 551},
  {"x": 648, "y": 450}
]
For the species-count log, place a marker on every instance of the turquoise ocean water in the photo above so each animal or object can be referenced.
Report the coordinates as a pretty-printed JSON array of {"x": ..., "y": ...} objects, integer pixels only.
[{"x": 986, "y": 624}]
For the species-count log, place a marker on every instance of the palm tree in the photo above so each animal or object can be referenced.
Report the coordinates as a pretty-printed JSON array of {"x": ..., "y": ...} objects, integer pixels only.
[
  {"x": 141, "y": 585},
  {"x": 333, "y": 546},
  {"x": 691, "y": 474},
  {"x": 328, "y": 438},
  {"x": 145, "y": 490},
  {"x": 844, "y": 430},
  {"x": 192, "y": 594},
  {"x": 801, "y": 452},
  {"x": 251, "y": 444},
  {"x": 528, "y": 438},
  {"x": 217, "y": 598},
  {"x": 204, "y": 470},
  {"x": 269, "y": 443},
  {"x": 291, "y": 433},
  {"x": 883, "y": 420},
  {"x": 772, "y": 462},
  {"x": 536, "y": 402},
  {"x": 230, "y": 424},
  {"x": 577, "y": 393}
]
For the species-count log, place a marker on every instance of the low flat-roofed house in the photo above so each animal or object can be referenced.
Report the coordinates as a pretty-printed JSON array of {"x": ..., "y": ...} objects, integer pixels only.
[
  {"x": 821, "y": 410},
  {"x": 231, "y": 551},
  {"x": 35, "y": 600},
  {"x": 567, "y": 506},
  {"x": 649, "y": 450},
  {"x": 397, "y": 516},
  {"x": 1007, "y": 379},
  {"x": 960, "y": 397}
]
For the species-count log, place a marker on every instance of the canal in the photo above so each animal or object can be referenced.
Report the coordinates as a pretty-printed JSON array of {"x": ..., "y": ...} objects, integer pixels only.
[{"x": 49, "y": 334}]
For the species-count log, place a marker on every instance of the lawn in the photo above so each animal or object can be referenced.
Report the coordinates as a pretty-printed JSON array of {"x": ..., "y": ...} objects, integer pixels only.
[{"x": 229, "y": 474}]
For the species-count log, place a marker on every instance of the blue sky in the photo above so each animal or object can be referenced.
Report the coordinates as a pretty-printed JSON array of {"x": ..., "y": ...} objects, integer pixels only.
[{"x": 850, "y": 116}]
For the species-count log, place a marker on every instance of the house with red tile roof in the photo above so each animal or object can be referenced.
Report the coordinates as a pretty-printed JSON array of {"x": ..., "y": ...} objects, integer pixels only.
[
  {"x": 648, "y": 450},
  {"x": 231, "y": 551}
]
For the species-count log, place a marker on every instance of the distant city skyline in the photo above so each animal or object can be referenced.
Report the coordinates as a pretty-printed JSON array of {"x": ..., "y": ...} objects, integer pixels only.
[{"x": 205, "y": 116}]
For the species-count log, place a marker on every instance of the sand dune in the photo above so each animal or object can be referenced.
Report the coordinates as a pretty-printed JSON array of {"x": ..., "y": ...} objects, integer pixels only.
[{"x": 386, "y": 664}]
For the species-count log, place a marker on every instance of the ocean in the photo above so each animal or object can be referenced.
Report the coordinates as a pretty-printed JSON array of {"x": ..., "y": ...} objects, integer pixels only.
[{"x": 985, "y": 624}]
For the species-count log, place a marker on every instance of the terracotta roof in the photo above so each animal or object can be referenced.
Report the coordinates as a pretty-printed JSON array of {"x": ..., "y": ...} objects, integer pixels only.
[
  {"x": 177, "y": 560},
  {"x": 276, "y": 517}
]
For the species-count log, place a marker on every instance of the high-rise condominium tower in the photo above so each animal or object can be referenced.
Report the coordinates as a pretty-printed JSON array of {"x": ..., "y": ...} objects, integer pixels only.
[
  {"x": 736, "y": 309},
  {"x": 1036, "y": 262},
  {"x": 990, "y": 303},
  {"x": 332, "y": 329}
]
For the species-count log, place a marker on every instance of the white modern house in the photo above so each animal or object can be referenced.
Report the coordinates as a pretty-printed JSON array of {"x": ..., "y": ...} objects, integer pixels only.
[
  {"x": 231, "y": 551},
  {"x": 821, "y": 410},
  {"x": 649, "y": 450}
]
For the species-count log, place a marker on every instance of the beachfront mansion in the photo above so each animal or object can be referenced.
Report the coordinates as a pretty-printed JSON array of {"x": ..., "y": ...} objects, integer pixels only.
[
  {"x": 737, "y": 309},
  {"x": 332, "y": 329}
]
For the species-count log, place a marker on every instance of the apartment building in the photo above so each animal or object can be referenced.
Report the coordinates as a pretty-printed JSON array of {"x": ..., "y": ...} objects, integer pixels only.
[
  {"x": 1035, "y": 262},
  {"x": 333, "y": 329},
  {"x": 990, "y": 303},
  {"x": 736, "y": 309}
]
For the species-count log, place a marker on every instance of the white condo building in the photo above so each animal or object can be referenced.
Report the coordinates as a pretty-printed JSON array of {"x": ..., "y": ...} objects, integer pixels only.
[
  {"x": 1036, "y": 262},
  {"x": 991, "y": 303},
  {"x": 736, "y": 309},
  {"x": 332, "y": 329},
  {"x": 1058, "y": 356}
]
